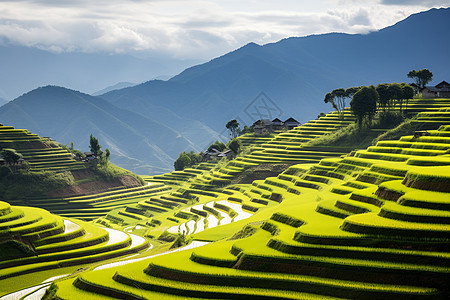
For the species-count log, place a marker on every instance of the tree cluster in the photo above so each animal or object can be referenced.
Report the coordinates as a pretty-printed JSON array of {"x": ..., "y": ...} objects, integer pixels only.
[
  {"x": 186, "y": 160},
  {"x": 392, "y": 93},
  {"x": 11, "y": 157}
]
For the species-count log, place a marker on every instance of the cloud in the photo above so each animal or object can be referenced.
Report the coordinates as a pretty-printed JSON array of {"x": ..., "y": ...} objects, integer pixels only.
[
  {"x": 188, "y": 29},
  {"x": 425, "y": 3}
]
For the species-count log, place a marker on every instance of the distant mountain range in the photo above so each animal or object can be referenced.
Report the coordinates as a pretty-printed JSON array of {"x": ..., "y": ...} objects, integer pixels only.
[
  {"x": 137, "y": 143},
  {"x": 147, "y": 125},
  {"x": 117, "y": 86},
  {"x": 3, "y": 101},
  {"x": 296, "y": 73},
  {"x": 26, "y": 68}
]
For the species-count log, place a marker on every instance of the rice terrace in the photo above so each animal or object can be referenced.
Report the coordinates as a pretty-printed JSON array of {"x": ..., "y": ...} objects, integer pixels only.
[{"x": 352, "y": 204}]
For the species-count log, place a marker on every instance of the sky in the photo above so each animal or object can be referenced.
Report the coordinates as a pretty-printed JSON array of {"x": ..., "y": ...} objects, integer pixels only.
[{"x": 188, "y": 29}]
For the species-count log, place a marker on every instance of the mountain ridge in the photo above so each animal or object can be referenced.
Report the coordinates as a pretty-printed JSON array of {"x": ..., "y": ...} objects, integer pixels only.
[
  {"x": 127, "y": 134},
  {"x": 311, "y": 66}
]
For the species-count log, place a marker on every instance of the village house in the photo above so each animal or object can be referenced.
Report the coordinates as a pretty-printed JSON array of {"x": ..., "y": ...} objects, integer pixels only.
[
  {"x": 291, "y": 123},
  {"x": 89, "y": 156},
  {"x": 265, "y": 126},
  {"x": 216, "y": 154},
  {"x": 441, "y": 90},
  {"x": 262, "y": 126},
  {"x": 277, "y": 124}
]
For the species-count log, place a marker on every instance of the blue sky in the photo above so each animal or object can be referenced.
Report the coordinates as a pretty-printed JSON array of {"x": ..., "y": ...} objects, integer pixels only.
[{"x": 185, "y": 29}]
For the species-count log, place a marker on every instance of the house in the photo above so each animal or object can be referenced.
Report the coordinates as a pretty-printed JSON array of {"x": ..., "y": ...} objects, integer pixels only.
[
  {"x": 229, "y": 154},
  {"x": 277, "y": 124},
  {"x": 441, "y": 90},
  {"x": 291, "y": 123},
  {"x": 89, "y": 156},
  {"x": 216, "y": 154},
  {"x": 262, "y": 126},
  {"x": 210, "y": 154}
]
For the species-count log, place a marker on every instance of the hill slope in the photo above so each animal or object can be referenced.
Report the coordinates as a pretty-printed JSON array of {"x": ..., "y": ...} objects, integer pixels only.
[
  {"x": 296, "y": 72},
  {"x": 136, "y": 142}
]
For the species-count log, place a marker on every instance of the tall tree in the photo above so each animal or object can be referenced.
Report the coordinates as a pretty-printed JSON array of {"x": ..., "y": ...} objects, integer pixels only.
[
  {"x": 94, "y": 145},
  {"x": 233, "y": 127},
  {"x": 384, "y": 96},
  {"x": 338, "y": 97},
  {"x": 351, "y": 91},
  {"x": 337, "y": 100},
  {"x": 407, "y": 92},
  {"x": 364, "y": 104},
  {"x": 420, "y": 77},
  {"x": 395, "y": 93}
]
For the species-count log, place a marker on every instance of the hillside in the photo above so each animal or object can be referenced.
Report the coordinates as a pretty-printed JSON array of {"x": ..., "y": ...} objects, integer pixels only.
[
  {"x": 48, "y": 170},
  {"x": 297, "y": 72},
  {"x": 370, "y": 224},
  {"x": 137, "y": 142},
  {"x": 285, "y": 220}
]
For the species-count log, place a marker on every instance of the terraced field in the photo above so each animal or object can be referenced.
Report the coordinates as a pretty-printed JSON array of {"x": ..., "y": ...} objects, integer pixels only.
[
  {"x": 368, "y": 225},
  {"x": 32, "y": 240},
  {"x": 40, "y": 154},
  {"x": 194, "y": 187}
]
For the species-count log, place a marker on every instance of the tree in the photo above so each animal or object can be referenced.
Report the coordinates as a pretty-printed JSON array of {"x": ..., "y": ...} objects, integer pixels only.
[
  {"x": 183, "y": 161},
  {"x": 384, "y": 96},
  {"x": 407, "y": 92},
  {"x": 94, "y": 145},
  {"x": 395, "y": 93},
  {"x": 337, "y": 98},
  {"x": 421, "y": 77},
  {"x": 10, "y": 156},
  {"x": 195, "y": 158},
  {"x": 246, "y": 130},
  {"x": 329, "y": 98},
  {"x": 364, "y": 104},
  {"x": 233, "y": 127},
  {"x": 235, "y": 145},
  {"x": 351, "y": 91}
]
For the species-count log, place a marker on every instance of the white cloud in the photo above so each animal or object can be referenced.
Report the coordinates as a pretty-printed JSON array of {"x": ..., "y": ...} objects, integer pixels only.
[{"x": 195, "y": 29}]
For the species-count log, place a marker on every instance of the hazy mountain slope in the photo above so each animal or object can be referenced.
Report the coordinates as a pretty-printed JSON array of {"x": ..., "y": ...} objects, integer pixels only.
[
  {"x": 28, "y": 68},
  {"x": 3, "y": 101},
  {"x": 297, "y": 72},
  {"x": 136, "y": 142},
  {"x": 117, "y": 86}
]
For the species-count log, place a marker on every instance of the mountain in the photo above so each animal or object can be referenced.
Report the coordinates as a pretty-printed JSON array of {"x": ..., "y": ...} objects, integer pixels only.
[
  {"x": 146, "y": 126},
  {"x": 296, "y": 73},
  {"x": 3, "y": 101},
  {"x": 117, "y": 86},
  {"x": 26, "y": 68},
  {"x": 138, "y": 143}
]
